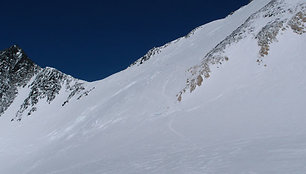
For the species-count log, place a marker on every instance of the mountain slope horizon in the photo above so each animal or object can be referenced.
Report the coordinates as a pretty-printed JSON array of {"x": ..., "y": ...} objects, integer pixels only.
[{"x": 227, "y": 98}]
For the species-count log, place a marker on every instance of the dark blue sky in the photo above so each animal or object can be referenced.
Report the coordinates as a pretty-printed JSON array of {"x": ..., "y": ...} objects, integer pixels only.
[{"x": 91, "y": 40}]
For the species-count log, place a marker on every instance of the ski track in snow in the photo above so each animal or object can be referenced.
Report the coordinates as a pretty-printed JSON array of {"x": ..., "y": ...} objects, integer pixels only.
[
  {"x": 171, "y": 128},
  {"x": 124, "y": 89}
]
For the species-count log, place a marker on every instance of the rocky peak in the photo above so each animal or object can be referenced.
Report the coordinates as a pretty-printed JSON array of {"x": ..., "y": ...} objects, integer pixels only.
[
  {"x": 18, "y": 71},
  {"x": 16, "y": 66}
]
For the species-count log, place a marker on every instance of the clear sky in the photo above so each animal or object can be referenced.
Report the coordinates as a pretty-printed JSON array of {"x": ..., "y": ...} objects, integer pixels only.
[{"x": 91, "y": 40}]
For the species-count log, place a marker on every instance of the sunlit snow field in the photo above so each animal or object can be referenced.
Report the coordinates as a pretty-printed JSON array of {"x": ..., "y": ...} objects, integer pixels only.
[{"x": 245, "y": 119}]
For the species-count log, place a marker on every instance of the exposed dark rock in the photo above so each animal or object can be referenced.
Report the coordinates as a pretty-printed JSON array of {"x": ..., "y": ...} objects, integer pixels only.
[{"x": 17, "y": 71}]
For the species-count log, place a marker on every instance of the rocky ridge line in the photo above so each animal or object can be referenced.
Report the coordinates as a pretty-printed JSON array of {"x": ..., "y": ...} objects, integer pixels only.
[
  {"x": 274, "y": 13},
  {"x": 18, "y": 71}
]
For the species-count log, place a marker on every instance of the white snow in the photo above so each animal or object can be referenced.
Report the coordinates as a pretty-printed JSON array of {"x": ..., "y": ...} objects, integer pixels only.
[{"x": 245, "y": 119}]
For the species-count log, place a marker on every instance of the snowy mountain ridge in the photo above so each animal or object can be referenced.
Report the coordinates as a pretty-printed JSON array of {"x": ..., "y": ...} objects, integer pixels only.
[
  {"x": 18, "y": 71},
  {"x": 245, "y": 114},
  {"x": 276, "y": 17}
]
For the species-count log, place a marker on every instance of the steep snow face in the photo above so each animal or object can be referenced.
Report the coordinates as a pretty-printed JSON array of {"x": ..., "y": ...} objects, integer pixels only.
[
  {"x": 247, "y": 117},
  {"x": 264, "y": 26}
]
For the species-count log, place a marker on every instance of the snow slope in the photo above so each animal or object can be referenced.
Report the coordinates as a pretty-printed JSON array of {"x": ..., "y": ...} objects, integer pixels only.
[{"x": 248, "y": 117}]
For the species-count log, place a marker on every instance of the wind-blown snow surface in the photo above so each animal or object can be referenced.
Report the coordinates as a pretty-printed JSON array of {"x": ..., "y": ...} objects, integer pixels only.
[{"x": 246, "y": 118}]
